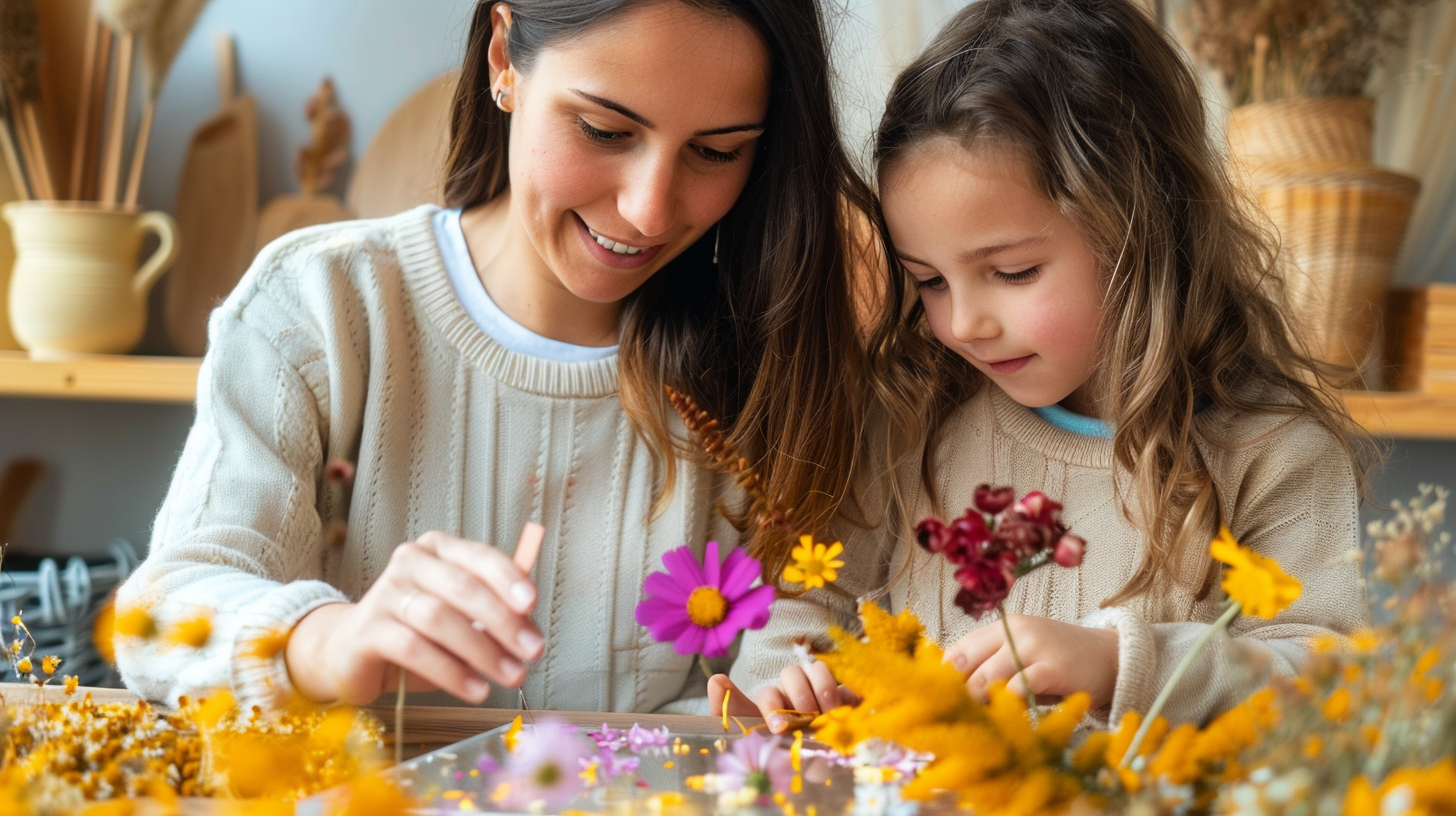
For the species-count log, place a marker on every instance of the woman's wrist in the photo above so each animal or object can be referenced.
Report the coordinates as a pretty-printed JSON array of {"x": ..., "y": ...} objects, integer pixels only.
[{"x": 305, "y": 656}]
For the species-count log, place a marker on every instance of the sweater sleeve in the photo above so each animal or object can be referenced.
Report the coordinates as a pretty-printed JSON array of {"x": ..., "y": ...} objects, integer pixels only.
[
  {"x": 238, "y": 535},
  {"x": 1292, "y": 498}
]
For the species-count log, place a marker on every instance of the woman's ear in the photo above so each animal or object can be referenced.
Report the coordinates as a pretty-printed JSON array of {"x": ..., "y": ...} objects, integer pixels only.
[{"x": 502, "y": 74}]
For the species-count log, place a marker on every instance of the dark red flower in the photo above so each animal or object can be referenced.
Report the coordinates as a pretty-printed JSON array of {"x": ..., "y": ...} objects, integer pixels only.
[
  {"x": 1069, "y": 550},
  {"x": 1023, "y": 535},
  {"x": 1038, "y": 507},
  {"x": 993, "y": 500},
  {"x": 985, "y": 583},
  {"x": 932, "y": 535},
  {"x": 968, "y": 537}
]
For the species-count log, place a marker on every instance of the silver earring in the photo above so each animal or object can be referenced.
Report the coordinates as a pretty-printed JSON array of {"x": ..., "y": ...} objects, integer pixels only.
[
  {"x": 717, "y": 235},
  {"x": 499, "y": 95}
]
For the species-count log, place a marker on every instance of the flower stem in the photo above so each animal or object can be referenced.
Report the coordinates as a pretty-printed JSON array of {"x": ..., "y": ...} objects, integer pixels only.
[
  {"x": 1142, "y": 733},
  {"x": 399, "y": 720},
  {"x": 703, "y": 664},
  {"x": 1016, "y": 658}
]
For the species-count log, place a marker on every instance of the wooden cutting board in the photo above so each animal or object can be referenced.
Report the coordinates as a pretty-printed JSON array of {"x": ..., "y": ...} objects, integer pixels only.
[
  {"x": 217, "y": 209},
  {"x": 402, "y": 166}
]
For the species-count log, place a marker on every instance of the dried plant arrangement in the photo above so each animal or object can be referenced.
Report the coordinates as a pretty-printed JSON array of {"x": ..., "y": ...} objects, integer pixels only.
[{"x": 1265, "y": 50}]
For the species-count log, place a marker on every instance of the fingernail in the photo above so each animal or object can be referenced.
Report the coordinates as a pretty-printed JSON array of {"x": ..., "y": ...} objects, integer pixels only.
[
  {"x": 511, "y": 668},
  {"x": 776, "y": 723},
  {"x": 476, "y": 687},
  {"x": 523, "y": 594},
  {"x": 959, "y": 661},
  {"x": 530, "y": 641}
]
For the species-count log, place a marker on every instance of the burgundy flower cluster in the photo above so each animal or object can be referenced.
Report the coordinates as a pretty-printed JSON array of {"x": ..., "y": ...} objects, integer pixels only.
[{"x": 998, "y": 541}]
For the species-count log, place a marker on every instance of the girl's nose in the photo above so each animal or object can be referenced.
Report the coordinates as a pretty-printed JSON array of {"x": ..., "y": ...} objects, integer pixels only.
[
  {"x": 648, "y": 200},
  {"x": 973, "y": 319}
]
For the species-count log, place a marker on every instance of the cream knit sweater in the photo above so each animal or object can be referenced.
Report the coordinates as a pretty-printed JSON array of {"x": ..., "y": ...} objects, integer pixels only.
[
  {"x": 1287, "y": 490},
  {"x": 348, "y": 342}
]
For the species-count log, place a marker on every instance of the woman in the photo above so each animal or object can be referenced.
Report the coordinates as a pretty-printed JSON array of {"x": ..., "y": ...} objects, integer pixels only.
[{"x": 639, "y": 194}]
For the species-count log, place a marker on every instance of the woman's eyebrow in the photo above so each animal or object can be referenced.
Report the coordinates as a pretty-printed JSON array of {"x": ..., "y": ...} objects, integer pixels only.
[{"x": 644, "y": 122}]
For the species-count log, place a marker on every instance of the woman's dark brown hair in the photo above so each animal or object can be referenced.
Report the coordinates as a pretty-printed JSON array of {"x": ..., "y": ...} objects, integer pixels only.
[
  {"x": 766, "y": 338},
  {"x": 1106, "y": 112}
]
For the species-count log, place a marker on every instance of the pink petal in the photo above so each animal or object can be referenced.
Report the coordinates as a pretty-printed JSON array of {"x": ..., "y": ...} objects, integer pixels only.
[
  {"x": 712, "y": 565},
  {"x": 740, "y": 571},
  {"x": 667, "y": 587},
  {"x": 718, "y": 639},
  {"x": 690, "y": 642},
  {"x": 684, "y": 566}
]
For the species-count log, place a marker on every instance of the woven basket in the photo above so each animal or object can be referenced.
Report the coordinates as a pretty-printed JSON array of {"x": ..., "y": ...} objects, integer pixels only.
[
  {"x": 1342, "y": 226},
  {"x": 1334, "y": 128}
]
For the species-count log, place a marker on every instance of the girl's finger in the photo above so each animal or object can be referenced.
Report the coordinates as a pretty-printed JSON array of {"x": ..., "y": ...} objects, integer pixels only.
[
  {"x": 826, "y": 688},
  {"x": 739, "y": 705},
  {"x": 438, "y": 621},
  {"x": 968, "y": 653},
  {"x": 418, "y": 655},
  {"x": 770, "y": 701},
  {"x": 488, "y": 564},
  {"x": 796, "y": 687}
]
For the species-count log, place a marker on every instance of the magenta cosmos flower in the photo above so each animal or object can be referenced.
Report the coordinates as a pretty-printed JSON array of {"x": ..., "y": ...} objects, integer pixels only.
[{"x": 701, "y": 607}]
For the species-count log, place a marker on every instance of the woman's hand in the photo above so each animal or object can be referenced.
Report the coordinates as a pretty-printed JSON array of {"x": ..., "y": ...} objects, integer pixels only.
[
  {"x": 1060, "y": 658},
  {"x": 451, "y": 612},
  {"x": 808, "y": 690}
]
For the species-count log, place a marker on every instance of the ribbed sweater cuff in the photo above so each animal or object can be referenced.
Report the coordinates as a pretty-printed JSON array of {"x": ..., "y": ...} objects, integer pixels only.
[
  {"x": 1137, "y": 662},
  {"x": 261, "y": 679}
]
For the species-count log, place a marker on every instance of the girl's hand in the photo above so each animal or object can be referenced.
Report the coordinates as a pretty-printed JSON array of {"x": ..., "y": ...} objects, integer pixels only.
[
  {"x": 1060, "y": 658},
  {"x": 808, "y": 690},
  {"x": 449, "y": 611}
]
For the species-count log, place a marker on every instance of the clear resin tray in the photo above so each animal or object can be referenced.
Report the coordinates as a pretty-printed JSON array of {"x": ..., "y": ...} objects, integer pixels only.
[{"x": 655, "y": 773}]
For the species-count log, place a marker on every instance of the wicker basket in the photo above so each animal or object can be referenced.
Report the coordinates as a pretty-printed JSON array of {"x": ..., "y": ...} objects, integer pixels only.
[
  {"x": 1342, "y": 226},
  {"x": 60, "y": 605},
  {"x": 1334, "y": 129}
]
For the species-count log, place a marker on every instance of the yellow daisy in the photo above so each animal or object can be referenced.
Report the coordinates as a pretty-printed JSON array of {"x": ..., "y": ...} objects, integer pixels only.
[
  {"x": 1256, "y": 582},
  {"x": 814, "y": 564}
]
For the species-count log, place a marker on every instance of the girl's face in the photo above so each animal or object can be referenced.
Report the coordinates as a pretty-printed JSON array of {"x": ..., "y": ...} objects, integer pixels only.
[
  {"x": 1008, "y": 282},
  {"x": 630, "y": 142}
]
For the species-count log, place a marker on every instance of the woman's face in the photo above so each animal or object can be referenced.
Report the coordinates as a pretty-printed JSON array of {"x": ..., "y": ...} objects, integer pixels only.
[{"x": 629, "y": 143}]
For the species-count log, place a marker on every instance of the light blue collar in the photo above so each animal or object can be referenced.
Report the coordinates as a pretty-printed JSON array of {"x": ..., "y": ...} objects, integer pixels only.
[{"x": 1075, "y": 423}]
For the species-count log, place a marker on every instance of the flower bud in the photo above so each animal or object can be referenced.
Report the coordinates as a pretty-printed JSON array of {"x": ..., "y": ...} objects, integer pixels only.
[
  {"x": 1069, "y": 550},
  {"x": 932, "y": 535},
  {"x": 1038, "y": 507},
  {"x": 993, "y": 500}
]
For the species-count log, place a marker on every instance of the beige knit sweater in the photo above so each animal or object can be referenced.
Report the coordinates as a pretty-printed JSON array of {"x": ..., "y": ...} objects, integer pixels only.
[
  {"x": 1287, "y": 490},
  {"x": 348, "y": 342}
]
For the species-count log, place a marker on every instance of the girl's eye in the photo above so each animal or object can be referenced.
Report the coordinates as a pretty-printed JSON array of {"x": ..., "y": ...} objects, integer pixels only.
[
  {"x": 934, "y": 284},
  {"x": 1024, "y": 276},
  {"x": 718, "y": 156},
  {"x": 600, "y": 136}
]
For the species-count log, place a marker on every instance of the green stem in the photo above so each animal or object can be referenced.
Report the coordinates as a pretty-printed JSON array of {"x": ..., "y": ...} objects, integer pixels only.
[
  {"x": 399, "y": 720},
  {"x": 703, "y": 664},
  {"x": 1016, "y": 658},
  {"x": 1142, "y": 733}
]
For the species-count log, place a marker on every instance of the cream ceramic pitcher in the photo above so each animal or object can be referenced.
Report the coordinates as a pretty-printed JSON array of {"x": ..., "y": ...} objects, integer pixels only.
[{"x": 76, "y": 287}]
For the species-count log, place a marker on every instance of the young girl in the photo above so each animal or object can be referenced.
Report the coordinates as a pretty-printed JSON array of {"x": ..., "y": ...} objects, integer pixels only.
[
  {"x": 1103, "y": 331},
  {"x": 640, "y": 193}
]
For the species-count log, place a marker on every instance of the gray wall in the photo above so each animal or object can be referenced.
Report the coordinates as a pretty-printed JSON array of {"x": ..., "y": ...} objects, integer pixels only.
[{"x": 110, "y": 462}]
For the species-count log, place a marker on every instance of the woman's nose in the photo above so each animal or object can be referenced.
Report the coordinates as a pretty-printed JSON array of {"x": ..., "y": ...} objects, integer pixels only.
[{"x": 648, "y": 200}]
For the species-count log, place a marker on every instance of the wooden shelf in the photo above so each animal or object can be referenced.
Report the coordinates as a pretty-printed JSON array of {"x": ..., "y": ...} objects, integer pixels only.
[
  {"x": 1403, "y": 414},
  {"x": 100, "y": 377}
]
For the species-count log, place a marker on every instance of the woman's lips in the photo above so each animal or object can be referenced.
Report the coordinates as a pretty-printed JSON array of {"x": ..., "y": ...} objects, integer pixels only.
[{"x": 616, "y": 260}]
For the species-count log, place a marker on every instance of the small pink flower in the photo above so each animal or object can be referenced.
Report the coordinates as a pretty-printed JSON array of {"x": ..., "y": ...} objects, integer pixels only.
[
  {"x": 1069, "y": 551},
  {"x": 1023, "y": 535},
  {"x": 993, "y": 500},
  {"x": 1038, "y": 507},
  {"x": 700, "y": 607}
]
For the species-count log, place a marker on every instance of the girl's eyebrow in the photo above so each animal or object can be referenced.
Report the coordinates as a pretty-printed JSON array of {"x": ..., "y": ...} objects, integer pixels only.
[
  {"x": 644, "y": 122},
  {"x": 982, "y": 253}
]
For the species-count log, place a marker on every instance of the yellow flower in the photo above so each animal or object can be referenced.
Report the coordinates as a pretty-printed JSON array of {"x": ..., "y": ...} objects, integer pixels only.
[
  {"x": 23, "y": 666},
  {"x": 72, "y": 683},
  {"x": 513, "y": 734},
  {"x": 814, "y": 564},
  {"x": 135, "y": 622},
  {"x": 49, "y": 664},
  {"x": 1255, "y": 582},
  {"x": 193, "y": 632},
  {"x": 1337, "y": 706}
]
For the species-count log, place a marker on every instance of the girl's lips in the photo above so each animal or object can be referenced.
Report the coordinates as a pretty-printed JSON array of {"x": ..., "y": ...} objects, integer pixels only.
[
  {"x": 1011, "y": 366},
  {"x": 610, "y": 258}
]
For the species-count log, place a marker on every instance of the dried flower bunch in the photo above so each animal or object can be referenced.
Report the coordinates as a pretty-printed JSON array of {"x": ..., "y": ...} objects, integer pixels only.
[
  {"x": 725, "y": 457},
  {"x": 1278, "y": 49}
]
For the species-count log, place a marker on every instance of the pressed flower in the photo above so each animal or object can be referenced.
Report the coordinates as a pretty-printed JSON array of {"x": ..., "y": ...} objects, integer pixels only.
[
  {"x": 814, "y": 565},
  {"x": 701, "y": 607},
  {"x": 512, "y": 737},
  {"x": 72, "y": 683},
  {"x": 761, "y": 763},
  {"x": 23, "y": 666},
  {"x": 545, "y": 768},
  {"x": 49, "y": 664},
  {"x": 1257, "y": 583}
]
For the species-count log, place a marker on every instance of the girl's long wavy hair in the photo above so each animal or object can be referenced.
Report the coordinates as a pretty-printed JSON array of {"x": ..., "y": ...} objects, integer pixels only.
[
  {"x": 1100, "y": 104},
  {"x": 765, "y": 339}
]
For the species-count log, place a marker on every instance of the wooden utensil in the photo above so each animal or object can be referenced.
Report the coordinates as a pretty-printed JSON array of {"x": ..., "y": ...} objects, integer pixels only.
[
  {"x": 217, "y": 209},
  {"x": 16, "y": 484},
  {"x": 402, "y": 166},
  {"x": 8, "y": 193},
  {"x": 317, "y": 166}
]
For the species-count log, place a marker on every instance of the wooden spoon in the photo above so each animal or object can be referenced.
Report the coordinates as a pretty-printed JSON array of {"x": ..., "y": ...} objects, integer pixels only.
[{"x": 403, "y": 164}]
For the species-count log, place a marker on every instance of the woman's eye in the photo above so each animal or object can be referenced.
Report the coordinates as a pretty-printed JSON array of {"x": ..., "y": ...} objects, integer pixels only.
[
  {"x": 934, "y": 284},
  {"x": 1024, "y": 276},
  {"x": 600, "y": 136},
  {"x": 718, "y": 155}
]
